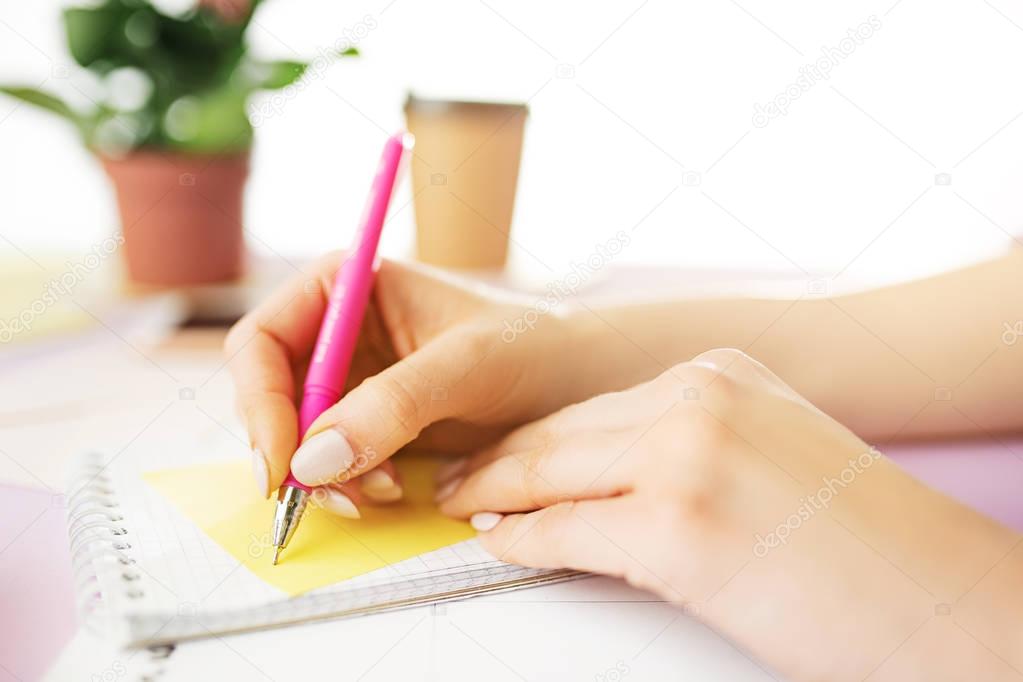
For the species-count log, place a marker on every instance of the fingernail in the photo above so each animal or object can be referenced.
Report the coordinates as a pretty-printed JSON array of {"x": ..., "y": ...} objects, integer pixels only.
[
  {"x": 322, "y": 458},
  {"x": 484, "y": 521},
  {"x": 261, "y": 472},
  {"x": 447, "y": 489},
  {"x": 449, "y": 469},
  {"x": 380, "y": 487},
  {"x": 338, "y": 503}
]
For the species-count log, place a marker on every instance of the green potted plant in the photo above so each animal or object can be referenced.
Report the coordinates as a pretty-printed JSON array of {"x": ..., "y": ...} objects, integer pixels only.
[{"x": 169, "y": 122}]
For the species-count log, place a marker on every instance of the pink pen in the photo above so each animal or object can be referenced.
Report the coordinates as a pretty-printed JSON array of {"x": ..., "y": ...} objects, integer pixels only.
[{"x": 339, "y": 331}]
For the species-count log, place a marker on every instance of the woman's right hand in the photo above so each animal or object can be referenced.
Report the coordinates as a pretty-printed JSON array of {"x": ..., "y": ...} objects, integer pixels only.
[{"x": 438, "y": 364}]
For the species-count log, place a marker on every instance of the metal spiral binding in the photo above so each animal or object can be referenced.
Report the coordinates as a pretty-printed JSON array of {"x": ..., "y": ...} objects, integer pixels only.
[
  {"x": 97, "y": 537},
  {"x": 100, "y": 542}
]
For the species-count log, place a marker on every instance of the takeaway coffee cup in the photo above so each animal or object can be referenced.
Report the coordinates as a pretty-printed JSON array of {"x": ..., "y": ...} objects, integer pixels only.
[{"x": 464, "y": 173}]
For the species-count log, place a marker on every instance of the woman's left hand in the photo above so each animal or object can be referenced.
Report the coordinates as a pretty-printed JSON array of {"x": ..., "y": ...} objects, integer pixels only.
[{"x": 718, "y": 487}]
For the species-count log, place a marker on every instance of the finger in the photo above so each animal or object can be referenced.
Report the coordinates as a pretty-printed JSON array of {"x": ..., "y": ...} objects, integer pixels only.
[
  {"x": 456, "y": 437},
  {"x": 291, "y": 315},
  {"x": 585, "y": 535},
  {"x": 584, "y": 466},
  {"x": 261, "y": 349},
  {"x": 273, "y": 431},
  {"x": 345, "y": 499},
  {"x": 451, "y": 469},
  {"x": 391, "y": 408},
  {"x": 382, "y": 484},
  {"x": 606, "y": 413},
  {"x": 341, "y": 500}
]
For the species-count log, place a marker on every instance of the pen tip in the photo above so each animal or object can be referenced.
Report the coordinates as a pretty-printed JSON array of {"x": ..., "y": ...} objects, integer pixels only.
[{"x": 277, "y": 553}]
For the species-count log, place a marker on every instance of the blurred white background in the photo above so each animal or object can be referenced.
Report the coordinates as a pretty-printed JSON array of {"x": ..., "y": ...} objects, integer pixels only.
[{"x": 641, "y": 114}]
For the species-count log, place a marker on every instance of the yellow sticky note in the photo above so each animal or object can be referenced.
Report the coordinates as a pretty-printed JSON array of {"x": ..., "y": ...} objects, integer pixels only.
[{"x": 326, "y": 549}]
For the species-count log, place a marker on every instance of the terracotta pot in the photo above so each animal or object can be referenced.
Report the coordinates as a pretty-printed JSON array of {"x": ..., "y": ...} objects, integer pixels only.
[
  {"x": 464, "y": 174},
  {"x": 181, "y": 216}
]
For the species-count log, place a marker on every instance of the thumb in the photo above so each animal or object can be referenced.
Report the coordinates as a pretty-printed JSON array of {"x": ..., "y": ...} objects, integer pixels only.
[{"x": 390, "y": 409}]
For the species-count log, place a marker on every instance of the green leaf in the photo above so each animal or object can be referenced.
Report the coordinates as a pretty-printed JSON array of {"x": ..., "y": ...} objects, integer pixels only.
[
  {"x": 91, "y": 31},
  {"x": 198, "y": 64},
  {"x": 276, "y": 75},
  {"x": 212, "y": 122},
  {"x": 280, "y": 74},
  {"x": 42, "y": 100}
]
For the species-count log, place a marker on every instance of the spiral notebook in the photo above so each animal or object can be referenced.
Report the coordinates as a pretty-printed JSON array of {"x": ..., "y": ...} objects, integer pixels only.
[{"x": 147, "y": 576}]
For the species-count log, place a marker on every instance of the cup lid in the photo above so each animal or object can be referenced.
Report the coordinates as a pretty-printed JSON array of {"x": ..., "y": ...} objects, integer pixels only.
[{"x": 443, "y": 106}]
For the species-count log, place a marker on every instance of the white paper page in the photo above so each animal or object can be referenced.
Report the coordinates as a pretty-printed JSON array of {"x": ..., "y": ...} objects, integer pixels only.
[{"x": 591, "y": 629}]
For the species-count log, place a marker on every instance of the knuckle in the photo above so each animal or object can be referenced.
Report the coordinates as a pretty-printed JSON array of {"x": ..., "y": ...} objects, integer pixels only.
[
  {"x": 735, "y": 365},
  {"x": 696, "y": 385},
  {"x": 396, "y": 401},
  {"x": 478, "y": 340},
  {"x": 722, "y": 357},
  {"x": 721, "y": 395},
  {"x": 327, "y": 264}
]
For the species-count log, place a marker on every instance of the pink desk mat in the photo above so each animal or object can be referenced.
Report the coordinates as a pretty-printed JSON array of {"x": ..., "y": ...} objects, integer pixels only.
[
  {"x": 37, "y": 603},
  {"x": 984, "y": 474},
  {"x": 38, "y": 615}
]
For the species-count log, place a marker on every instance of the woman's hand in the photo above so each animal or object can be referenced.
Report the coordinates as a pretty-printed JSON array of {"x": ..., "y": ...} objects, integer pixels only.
[
  {"x": 716, "y": 486},
  {"x": 437, "y": 364}
]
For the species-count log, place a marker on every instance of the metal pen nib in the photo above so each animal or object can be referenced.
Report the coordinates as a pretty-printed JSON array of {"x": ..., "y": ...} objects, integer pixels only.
[{"x": 291, "y": 503}]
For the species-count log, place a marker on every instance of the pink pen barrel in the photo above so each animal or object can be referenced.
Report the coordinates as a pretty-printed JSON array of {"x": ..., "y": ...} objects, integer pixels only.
[
  {"x": 314, "y": 403},
  {"x": 353, "y": 283}
]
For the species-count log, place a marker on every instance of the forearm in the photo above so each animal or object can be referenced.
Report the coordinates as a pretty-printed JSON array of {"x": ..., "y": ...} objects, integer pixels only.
[
  {"x": 892, "y": 581},
  {"x": 919, "y": 358}
]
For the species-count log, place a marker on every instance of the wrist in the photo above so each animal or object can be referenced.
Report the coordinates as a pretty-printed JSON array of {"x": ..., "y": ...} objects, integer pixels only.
[{"x": 602, "y": 352}]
